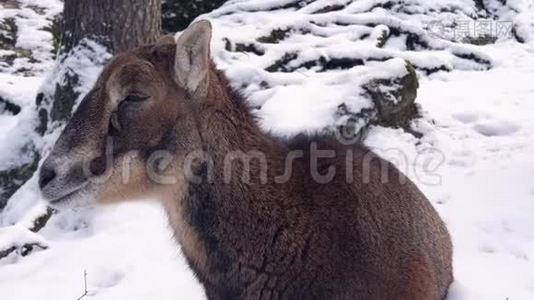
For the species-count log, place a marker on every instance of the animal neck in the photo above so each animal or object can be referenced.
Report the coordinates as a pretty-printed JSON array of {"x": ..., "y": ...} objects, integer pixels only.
[
  {"x": 226, "y": 123},
  {"x": 226, "y": 130},
  {"x": 233, "y": 141}
]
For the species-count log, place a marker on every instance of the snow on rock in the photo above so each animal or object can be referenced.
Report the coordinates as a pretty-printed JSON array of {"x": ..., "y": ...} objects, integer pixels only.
[
  {"x": 268, "y": 48},
  {"x": 16, "y": 241},
  {"x": 75, "y": 72},
  {"x": 19, "y": 91},
  {"x": 26, "y": 37},
  {"x": 27, "y": 52}
]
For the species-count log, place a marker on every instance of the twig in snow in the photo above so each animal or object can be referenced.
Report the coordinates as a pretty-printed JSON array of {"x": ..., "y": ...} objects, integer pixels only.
[{"x": 84, "y": 284}]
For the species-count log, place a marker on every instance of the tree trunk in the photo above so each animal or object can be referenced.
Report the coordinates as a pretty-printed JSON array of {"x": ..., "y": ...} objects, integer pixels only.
[{"x": 118, "y": 25}]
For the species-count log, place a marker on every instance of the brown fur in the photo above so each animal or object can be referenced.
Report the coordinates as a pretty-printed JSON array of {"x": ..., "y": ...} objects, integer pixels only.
[{"x": 298, "y": 239}]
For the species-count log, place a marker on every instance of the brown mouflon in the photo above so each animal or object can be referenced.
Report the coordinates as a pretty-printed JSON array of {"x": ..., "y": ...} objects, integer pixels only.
[{"x": 257, "y": 217}]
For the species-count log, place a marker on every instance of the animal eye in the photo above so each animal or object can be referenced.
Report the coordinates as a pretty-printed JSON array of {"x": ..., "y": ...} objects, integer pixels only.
[
  {"x": 115, "y": 124},
  {"x": 136, "y": 98}
]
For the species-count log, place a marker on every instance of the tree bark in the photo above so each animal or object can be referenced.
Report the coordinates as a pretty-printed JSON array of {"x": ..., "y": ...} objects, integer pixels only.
[{"x": 118, "y": 25}]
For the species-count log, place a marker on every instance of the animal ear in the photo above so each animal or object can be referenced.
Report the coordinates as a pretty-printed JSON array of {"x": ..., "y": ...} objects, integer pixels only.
[{"x": 192, "y": 62}]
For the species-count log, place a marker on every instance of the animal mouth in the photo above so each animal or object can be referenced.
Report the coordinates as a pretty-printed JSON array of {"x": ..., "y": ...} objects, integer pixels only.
[{"x": 69, "y": 196}]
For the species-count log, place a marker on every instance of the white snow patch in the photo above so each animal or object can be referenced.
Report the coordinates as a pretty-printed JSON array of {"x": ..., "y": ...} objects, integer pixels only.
[{"x": 474, "y": 161}]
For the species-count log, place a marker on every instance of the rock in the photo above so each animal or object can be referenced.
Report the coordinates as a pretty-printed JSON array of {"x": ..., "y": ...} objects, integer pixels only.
[
  {"x": 8, "y": 33},
  {"x": 8, "y": 106},
  {"x": 381, "y": 34},
  {"x": 275, "y": 36},
  {"x": 42, "y": 220},
  {"x": 394, "y": 99},
  {"x": 17, "y": 241},
  {"x": 480, "y": 40},
  {"x": 394, "y": 106},
  {"x": 65, "y": 97},
  {"x": 23, "y": 250},
  {"x": 15, "y": 176},
  {"x": 55, "y": 29}
]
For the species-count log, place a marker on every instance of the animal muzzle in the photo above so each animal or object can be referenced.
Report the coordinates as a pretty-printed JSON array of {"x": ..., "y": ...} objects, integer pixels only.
[{"x": 61, "y": 179}]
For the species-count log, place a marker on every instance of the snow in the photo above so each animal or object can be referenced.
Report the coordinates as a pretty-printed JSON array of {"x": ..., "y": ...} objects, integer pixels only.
[
  {"x": 306, "y": 35},
  {"x": 474, "y": 161},
  {"x": 126, "y": 251},
  {"x": 16, "y": 130}
]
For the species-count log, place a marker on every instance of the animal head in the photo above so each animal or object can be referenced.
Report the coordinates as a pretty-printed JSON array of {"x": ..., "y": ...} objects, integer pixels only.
[{"x": 136, "y": 120}]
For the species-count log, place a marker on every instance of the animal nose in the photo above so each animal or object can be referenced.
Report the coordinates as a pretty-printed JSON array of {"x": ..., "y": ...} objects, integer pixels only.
[{"x": 46, "y": 175}]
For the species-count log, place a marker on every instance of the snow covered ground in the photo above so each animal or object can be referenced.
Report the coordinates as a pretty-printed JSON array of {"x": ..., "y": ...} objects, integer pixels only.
[{"x": 475, "y": 163}]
